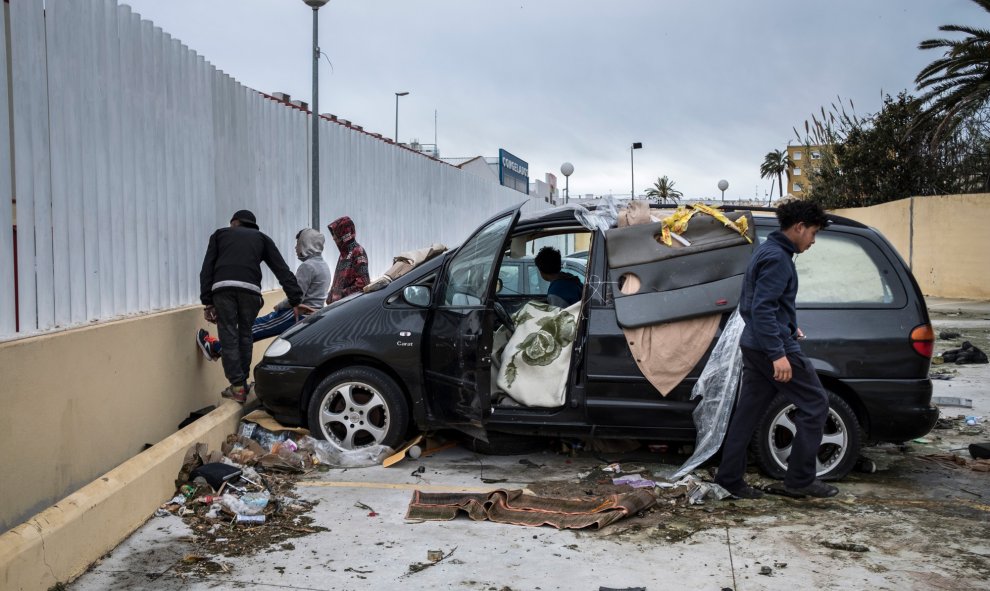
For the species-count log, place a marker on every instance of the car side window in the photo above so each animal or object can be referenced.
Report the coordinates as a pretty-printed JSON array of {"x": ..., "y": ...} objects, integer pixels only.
[
  {"x": 470, "y": 271},
  {"x": 509, "y": 274},
  {"x": 845, "y": 270}
]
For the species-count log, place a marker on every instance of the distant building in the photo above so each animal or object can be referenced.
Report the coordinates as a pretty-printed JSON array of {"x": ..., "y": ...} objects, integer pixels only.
[{"x": 806, "y": 160}]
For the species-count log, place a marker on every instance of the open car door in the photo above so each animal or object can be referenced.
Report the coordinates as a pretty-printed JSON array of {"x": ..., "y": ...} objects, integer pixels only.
[{"x": 458, "y": 348}]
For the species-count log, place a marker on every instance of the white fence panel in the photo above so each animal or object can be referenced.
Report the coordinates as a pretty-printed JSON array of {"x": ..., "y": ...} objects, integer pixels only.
[
  {"x": 8, "y": 320},
  {"x": 31, "y": 164},
  {"x": 130, "y": 150}
]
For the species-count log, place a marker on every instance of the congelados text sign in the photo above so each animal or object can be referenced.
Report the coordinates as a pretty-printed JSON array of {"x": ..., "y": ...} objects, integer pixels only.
[{"x": 513, "y": 172}]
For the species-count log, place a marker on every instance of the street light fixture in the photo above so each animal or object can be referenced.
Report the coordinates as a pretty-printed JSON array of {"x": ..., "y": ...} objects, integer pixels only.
[
  {"x": 632, "y": 168},
  {"x": 316, "y": 5},
  {"x": 397, "y": 95},
  {"x": 722, "y": 186},
  {"x": 567, "y": 169}
]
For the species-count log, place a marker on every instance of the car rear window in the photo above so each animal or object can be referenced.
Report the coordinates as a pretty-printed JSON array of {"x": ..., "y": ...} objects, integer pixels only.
[{"x": 845, "y": 270}]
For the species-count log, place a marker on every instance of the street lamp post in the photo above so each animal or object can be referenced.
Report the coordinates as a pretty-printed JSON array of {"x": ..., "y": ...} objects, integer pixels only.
[
  {"x": 567, "y": 169},
  {"x": 316, "y": 5},
  {"x": 397, "y": 95},
  {"x": 632, "y": 169},
  {"x": 722, "y": 186}
]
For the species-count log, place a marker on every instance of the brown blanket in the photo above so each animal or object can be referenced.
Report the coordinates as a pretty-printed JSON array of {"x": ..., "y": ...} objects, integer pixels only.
[{"x": 516, "y": 508}]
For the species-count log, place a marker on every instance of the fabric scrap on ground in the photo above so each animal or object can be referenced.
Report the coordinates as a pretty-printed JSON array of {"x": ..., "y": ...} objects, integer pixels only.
[{"x": 516, "y": 508}]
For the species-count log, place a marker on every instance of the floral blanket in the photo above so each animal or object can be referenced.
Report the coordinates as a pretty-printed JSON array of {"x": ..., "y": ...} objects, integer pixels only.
[{"x": 537, "y": 356}]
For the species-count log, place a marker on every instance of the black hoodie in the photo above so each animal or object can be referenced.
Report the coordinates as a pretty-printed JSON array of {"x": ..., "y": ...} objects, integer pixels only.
[{"x": 233, "y": 262}]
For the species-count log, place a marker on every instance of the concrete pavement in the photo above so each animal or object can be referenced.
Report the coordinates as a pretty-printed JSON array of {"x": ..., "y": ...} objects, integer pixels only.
[{"x": 921, "y": 521}]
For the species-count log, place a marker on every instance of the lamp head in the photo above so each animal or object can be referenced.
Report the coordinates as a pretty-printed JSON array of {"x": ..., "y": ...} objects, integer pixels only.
[
  {"x": 315, "y": 4},
  {"x": 637, "y": 145},
  {"x": 401, "y": 93}
]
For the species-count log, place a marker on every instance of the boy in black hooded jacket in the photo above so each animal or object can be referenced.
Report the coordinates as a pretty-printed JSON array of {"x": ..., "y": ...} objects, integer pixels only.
[{"x": 230, "y": 288}]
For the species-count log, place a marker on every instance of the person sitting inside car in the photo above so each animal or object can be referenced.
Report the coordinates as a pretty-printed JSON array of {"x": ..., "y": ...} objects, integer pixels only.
[{"x": 564, "y": 289}]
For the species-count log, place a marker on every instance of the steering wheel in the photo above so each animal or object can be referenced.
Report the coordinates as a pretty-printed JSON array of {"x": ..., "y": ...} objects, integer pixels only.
[{"x": 503, "y": 316}]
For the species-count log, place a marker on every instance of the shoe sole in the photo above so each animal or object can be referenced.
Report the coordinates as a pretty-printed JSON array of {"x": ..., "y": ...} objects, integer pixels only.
[{"x": 205, "y": 348}]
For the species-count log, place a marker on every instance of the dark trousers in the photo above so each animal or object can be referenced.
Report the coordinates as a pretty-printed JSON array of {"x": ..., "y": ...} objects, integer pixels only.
[
  {"x": 236, "y": 311},
  {"x": 758, "y": 389}
]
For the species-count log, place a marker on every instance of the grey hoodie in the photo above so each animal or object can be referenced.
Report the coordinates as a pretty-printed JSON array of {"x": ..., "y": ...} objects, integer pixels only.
[{"x": 313, "y": 274}]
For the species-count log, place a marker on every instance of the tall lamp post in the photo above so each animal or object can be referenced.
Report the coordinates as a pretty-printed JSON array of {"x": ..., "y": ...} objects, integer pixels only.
[
  {"x": 722, "y": 186},
  {"x": 567, "y": 169},
  {"x": 632, "y": 169},
  {"x": 316, "y": 5},
  {"x": 397, "y": 95}
]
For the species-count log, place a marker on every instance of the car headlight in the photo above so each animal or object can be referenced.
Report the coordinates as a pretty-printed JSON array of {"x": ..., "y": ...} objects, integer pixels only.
[{"x": 278, "y": 348}]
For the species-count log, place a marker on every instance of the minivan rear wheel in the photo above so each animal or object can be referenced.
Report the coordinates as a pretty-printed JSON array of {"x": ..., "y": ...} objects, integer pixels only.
[
  {"x": 358, "y": 407},
  {"x": 837, "y": 453}
]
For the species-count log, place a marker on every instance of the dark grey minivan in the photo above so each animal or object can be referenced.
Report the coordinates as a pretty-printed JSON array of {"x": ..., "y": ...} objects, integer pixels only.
[{"x": 418, "y": 354}]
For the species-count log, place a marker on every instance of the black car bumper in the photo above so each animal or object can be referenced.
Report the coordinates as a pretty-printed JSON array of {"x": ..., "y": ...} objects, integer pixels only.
[
  {"x": 280, "y": 389},
  {"x": 897, "y": 410}
]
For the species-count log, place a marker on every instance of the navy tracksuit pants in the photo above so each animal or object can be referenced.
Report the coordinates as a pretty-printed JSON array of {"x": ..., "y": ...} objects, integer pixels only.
[{"x": 757, "y": 391}]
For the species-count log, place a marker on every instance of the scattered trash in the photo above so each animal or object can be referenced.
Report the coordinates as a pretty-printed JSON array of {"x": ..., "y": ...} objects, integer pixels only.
[
  {"x": 421, "y": 566},
  {"x": 865, "y": 465},
  {"x": 371, "y": 512},
  {"x": 849, "y": 547},
  {"x": 921, "y": 440},
  {"x": 622, "y": 589},
  {"x": 972, "y": 421},
  {"x": 952, "y": 401},
  {"x": 697, "y": 490},
  {"x": 766, "y": 570},
  {"x": 965, "y": 354},
  {"x": 613, "y": 468},
  {"x": 250, "y": 518},
  {"x": 434, "y": 555},
  {"x": 635, "y": 481},
  {"x": 329, "y": 453},
  {"x": 216, "y": 474},
  {"x": 948, "y": 335},
  {"x": 980, "y": 451}
]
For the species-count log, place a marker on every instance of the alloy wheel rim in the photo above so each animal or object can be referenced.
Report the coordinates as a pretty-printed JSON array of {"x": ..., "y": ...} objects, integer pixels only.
[
  {"x": 832, "y": 450},
  {"x": 354, "y": 415}
]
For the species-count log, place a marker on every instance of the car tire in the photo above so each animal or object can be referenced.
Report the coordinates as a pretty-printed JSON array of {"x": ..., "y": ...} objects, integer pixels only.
[
  {"x": 359, "y": 407},
  {"x": 504, "y": 444},
  {"x": 837, "y": 454}
]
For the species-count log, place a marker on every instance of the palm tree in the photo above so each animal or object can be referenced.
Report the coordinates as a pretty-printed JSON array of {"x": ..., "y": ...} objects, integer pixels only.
[
  {"x": 663, "y": 189},
  {"x": 957, "y": 85},
  {"x": 775, "y": 164}
]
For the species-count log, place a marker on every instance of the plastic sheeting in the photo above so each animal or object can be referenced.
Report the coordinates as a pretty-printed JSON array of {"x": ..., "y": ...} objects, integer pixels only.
[
  {"x": 603, "y": 217},
  {"x": 717, "y": 388}
]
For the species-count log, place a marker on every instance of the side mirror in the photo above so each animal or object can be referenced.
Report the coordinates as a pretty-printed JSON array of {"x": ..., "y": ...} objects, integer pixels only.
[
  {"x": 417, "y": 295},
  {"x": 498, "y": 285}
]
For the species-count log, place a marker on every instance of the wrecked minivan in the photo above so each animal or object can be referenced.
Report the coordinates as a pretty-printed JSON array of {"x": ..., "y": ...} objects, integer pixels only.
[{"x": 448, "y": 346}]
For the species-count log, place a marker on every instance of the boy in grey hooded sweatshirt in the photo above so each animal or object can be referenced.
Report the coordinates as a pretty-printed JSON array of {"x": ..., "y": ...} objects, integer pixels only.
[{"x": 313, "y": 277}]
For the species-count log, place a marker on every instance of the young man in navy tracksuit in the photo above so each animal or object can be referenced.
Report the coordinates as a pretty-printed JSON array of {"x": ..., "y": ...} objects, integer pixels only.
[
  {"x": 230, "y": 288},
  {"x": 773, "y": 361}
]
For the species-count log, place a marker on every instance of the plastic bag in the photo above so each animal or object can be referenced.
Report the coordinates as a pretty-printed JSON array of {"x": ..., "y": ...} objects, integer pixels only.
[
  {"x": 247, "y": 504},
  {"x": 717, "y": 388},
  {"x": 603, "y": 217},
  {"x": 331, "y": 454}
]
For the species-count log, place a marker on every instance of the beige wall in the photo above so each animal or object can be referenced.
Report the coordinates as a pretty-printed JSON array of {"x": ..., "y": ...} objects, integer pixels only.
[
  {"x": 77, "y": 403},
  {"x": 944, "y": 239}
]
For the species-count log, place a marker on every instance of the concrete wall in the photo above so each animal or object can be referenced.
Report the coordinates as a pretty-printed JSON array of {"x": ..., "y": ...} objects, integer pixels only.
[
  {"x": 75, "y": 404},
  {"x": 944, "y": 239}
]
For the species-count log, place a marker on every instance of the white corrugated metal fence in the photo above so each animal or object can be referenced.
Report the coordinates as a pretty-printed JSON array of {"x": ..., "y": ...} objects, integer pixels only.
[{"x": 129, "y": 149}]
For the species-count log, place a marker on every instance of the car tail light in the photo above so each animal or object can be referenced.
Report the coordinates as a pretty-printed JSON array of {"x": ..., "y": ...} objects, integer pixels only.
[{"x": 923, "y": 340}]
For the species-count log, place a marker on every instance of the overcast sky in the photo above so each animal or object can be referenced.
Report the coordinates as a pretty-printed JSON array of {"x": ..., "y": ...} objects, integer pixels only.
[{"x": 708, "y": 86}]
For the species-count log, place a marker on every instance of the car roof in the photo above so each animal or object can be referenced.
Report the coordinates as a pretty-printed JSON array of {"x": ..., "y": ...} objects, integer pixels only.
[{"x": 566, "y": 213}]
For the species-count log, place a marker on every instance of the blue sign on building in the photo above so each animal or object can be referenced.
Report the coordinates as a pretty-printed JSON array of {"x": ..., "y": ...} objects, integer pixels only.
[{"x": 513, "y": 172}]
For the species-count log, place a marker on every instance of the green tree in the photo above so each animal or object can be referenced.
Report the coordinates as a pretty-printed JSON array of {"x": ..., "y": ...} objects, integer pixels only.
[
  {"x": 880, "y": 158},
  {"x": 956, "y": 85},
  {"x": 662, "y": 190},
  {"x": 775, "y": 164}
]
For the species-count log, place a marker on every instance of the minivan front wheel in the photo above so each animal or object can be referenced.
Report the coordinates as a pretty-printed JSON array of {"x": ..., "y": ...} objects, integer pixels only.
[
  {"x": 358, "y": 407},
  {"x": 837, "y": 453}
]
